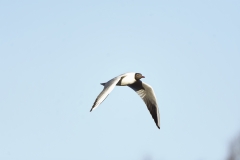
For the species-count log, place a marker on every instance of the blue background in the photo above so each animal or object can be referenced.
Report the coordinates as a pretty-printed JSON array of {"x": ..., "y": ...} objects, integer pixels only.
[{"x": 55, "y": 54}]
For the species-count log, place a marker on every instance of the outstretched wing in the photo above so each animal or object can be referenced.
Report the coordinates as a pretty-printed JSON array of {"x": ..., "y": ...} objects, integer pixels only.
[
  {"x": 147, "y": 94},
  {"x": 108, "y": 87}
]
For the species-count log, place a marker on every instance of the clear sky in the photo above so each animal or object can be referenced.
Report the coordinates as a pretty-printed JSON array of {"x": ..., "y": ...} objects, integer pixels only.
[{"x": 55, "y": 54}]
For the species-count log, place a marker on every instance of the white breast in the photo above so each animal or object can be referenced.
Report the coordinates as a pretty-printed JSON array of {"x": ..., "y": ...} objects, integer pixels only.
[{"x": 129, "y": 78}]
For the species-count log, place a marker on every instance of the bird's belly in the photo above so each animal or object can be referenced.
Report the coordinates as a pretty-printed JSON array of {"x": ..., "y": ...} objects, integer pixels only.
[{"x": 126, "y": 81}]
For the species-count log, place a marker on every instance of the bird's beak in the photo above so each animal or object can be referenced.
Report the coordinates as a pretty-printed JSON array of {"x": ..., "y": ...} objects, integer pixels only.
[{"x": 143, "y": 77}]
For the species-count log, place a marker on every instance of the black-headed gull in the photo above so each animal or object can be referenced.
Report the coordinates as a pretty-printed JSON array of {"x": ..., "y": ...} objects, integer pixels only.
[{"x": 133, "y": 81}]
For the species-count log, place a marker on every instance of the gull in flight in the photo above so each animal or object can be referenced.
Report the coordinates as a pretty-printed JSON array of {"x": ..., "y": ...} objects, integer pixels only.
[{"x": 133, "y": 81}]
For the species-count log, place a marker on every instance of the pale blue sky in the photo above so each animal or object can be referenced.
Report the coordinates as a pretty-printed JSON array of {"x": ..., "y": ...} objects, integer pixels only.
[{"x": 55, "y": 54}]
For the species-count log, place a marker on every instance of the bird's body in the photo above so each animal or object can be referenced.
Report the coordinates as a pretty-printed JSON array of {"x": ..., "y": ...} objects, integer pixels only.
[
  {"x": 133, "y": 81},
  {"x": 127, "y": 79}
]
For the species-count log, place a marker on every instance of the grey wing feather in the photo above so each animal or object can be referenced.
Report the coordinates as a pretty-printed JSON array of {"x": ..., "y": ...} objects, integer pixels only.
[
  {"x": 108, "y": 87},
  {"x": 147, "y": 94}
]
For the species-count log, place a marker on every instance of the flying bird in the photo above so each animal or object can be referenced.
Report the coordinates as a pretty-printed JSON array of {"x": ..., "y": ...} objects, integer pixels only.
[{"x": 133, "y": 81}]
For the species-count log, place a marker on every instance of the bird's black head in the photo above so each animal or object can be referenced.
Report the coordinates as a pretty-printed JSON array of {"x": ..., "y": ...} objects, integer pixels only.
[{"x": 138, "y": 76}]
